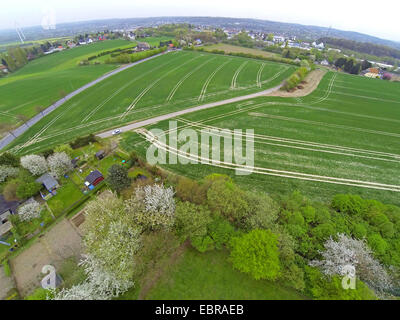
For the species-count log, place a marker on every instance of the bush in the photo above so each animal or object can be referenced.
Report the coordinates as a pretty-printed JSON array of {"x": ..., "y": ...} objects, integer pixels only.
[
  {"x": 83, "y": 141},
  {"x": 348, "y": 204},
  {"x": 256, "y": 253},
  {"x": 9, "y": 159},
  {"x": 40, "y": 294},
  {"x": 27, "y": 190}
]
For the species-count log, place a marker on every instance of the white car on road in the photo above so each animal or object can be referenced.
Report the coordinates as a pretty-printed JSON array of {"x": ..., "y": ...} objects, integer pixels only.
[{"x": 116, "y": 131}]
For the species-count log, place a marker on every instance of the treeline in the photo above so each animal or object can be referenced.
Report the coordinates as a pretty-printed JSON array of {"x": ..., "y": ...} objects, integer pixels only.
[
  {"x": 136, "y": 56},
  {"x": 118, "y": 50},
  {"x": 351, "y": 66},
  {"x": 363, "y": 47},
  {"x": 14, "y": 59},
  {"x": 246, "y": 55}
]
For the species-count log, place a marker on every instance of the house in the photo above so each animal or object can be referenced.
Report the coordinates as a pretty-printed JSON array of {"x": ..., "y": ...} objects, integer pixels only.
[
  {"x": 141, "y": 46},
  {"x": 75, "y": 162},
  {"x": 325, "y": 62},
  {"x": 3, "y": 68},
  {"x": 93, "y": 179},
  {"x": 50, "y": 183},
  {"x": 7, "y": 208},
  {"x": 100, "y": 154}
]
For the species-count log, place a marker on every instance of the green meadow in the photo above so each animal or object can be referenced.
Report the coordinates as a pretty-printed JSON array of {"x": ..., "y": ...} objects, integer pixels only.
[{"x": 342, "y": 138}]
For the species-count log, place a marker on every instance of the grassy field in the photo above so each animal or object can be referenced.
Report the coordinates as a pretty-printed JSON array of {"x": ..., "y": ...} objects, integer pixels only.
[
  {"x": 171, "y": 82},
  {"x": 228, "y": 48},
  {"x": 342, "y": 138},
  {"x": 210, "y": 276},
  {"x": 40, "y": 82}
]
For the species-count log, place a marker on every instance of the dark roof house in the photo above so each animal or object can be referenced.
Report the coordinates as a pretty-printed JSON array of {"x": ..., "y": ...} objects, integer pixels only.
[
  {"x": 48, "y": 182},
  {"x": 94, "y": 178},
  {"x": 101, "y": 154},
  {"x": 6, "y": 208}
]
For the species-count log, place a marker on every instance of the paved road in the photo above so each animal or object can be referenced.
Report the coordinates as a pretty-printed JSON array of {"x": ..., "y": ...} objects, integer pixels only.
[
  {"x": 147, "y": 122},
  {"x": 22, "y": 129}
]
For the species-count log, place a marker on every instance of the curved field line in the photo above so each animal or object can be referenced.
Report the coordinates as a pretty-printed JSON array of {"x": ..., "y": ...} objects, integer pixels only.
[
  {"x": 327, "y": 92},
  {"x": 235, "y": 76},
  {"x": 305, "y": 145},
  {"x": 209, "y": 79},
  {"x": 8, "y": 115},
  {"x": 303, "y": 105},
  {"x": 337, "y": 126},
  {"x": 267, "y": 171},
  {"x": 122, "y": 88},
  {"x": 143, "y": 93},
  {"x": 40, "y": 132},
  {"x": 276, "y": 75},
  {"x": 180, "y": 82},
  {"x": 259, "y": 75}
]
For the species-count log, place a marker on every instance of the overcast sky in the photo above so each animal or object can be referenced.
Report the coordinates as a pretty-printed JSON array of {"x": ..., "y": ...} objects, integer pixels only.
[{"x": 378, "y": 18}]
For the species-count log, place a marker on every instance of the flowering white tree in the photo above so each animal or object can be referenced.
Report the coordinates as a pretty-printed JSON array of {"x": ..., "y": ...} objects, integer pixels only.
[
  {"x": 7, "y": 172},
  {"x": 157, "y": 199},
  {"x": 99, "y": 285},
  {"x": 112, "y": 237},
  {"x": 338, "y": 255},
  {"x": 152, "y": 206},
  {"x": 59, "y": 164},
  {"x": 82, "y": 291},
  {"x": 37, "y": 165},
  {"x": 29, "y": 211}
]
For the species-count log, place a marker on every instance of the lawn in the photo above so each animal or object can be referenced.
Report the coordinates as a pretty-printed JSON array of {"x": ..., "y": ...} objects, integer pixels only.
[
  {"x": 171, "y": 82},
  {"x": 67, "y": 195},
  {"x": 342, "y": 138},
  {"x": 210, "y": 276}
]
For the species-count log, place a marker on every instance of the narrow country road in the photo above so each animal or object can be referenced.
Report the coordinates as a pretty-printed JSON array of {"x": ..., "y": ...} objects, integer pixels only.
[
  {"x": 147, "y": 122},
  {"x": 23, "y": 128}
]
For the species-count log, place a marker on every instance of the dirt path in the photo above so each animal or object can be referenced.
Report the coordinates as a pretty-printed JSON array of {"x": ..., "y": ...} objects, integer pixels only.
[
  {"x": 311, "y": 83},
  {"x": 147, "y": 122},
  {"x": 149, "y": 284}
]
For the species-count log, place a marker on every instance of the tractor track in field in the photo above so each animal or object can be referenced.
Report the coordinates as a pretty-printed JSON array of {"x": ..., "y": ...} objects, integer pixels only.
[
  {"x": 307, "y": 145},
  {"x": 236, "y": 75},
  {"x": 154, "y": 83},
  {"x": 268, "y": 171},
  {"x": 209, "y": 79},
  {"x": 180, "y": 82},
  {"x": 21, "y": 129}
]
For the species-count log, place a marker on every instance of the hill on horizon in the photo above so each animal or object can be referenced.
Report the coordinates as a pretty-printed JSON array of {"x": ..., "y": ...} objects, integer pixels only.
[{"x": 282, "y": 28}]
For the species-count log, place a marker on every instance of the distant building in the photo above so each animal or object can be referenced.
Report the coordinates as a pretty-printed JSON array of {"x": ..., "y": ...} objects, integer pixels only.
[
  {"x": 141, "y": 46},
  {"x": 325, "y": 62},
  {"x": 3, "y": 68}
]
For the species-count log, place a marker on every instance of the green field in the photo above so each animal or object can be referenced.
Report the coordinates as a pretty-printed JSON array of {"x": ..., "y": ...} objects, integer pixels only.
[
  {"x": 210, "y": 276},
  {"x": 343, "y": 138},
  {"x": 39, "y": 82},
  {"x": 171, "y": 82}
]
